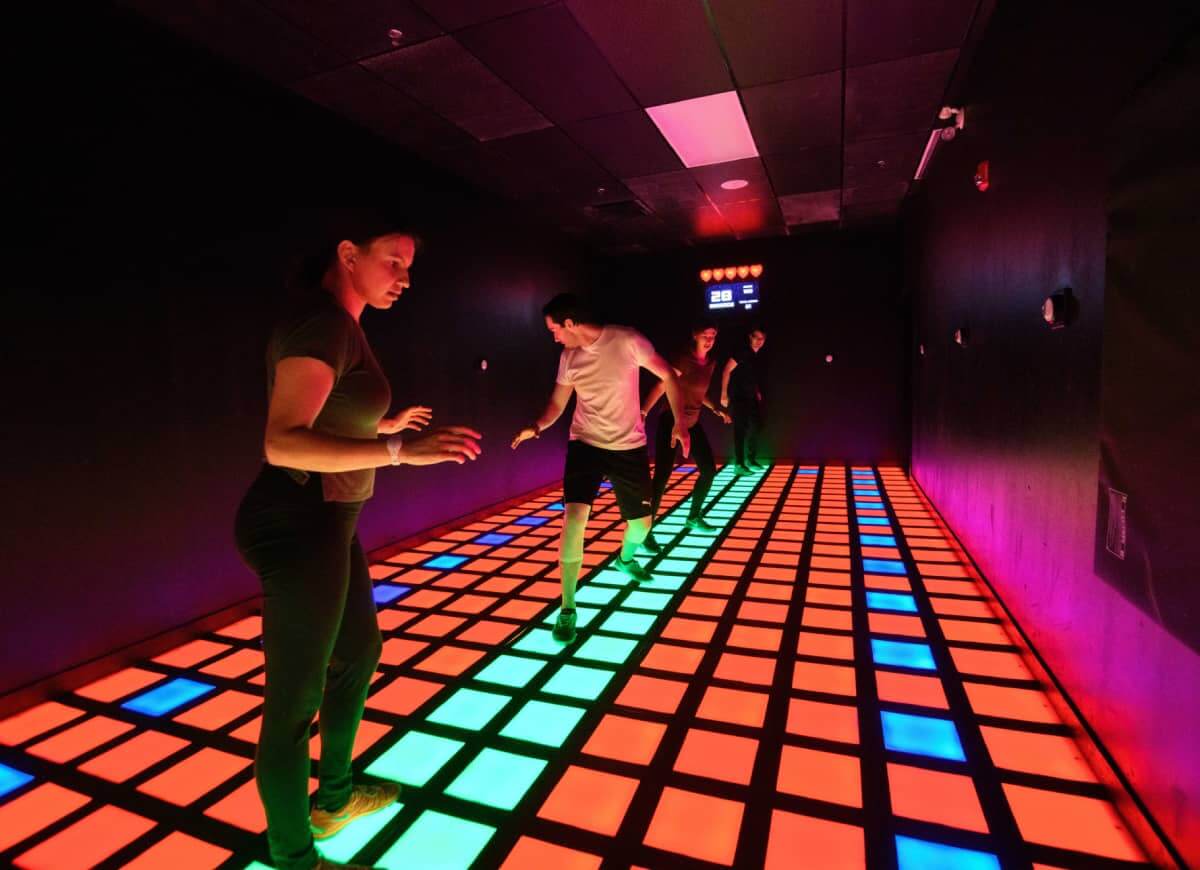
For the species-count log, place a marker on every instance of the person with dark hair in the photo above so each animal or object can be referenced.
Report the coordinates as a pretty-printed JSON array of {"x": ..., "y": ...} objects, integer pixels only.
[
  {"x": 600, "y": 364},
  {"x": 326, "y": 434},
  {"x": 742, "y": 393},
  {"x": 694, "y": 370}
]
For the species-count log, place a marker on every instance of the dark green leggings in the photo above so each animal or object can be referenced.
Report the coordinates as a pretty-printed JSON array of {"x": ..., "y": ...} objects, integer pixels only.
[{"x": 322, "y": 644}]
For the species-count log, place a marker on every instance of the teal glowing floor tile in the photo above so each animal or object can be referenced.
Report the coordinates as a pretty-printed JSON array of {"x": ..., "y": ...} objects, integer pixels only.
[
  {"x": 347, "y": 843},
  {"x": 469, "y": 709},
  {"x": 903, "y": 654},
  {"x": 543, "y": 723},
  {"x": 599, "y": 648},
  {"x": 665, "y": 582},
  {"x": 515, "y": 671},
  {"x": 611, "y": 577},
  {"x": 595, "y": 594},
  {"x": 436, "y": 841},
  {"x": 913, "y": 854},
  {"x": 921, "y": 735},
  {"x": 496, "y": 778},
  {"x": 878, "y": 540},
  {"x": 415, "y": 758},
  {"x": 622, "y": 622},
  {"x": 682, "y": 552},
  {"x": 891, "y": 601},
  {"x": 575, "y": 681},
  {"x": 540, "y": 641},
  {"x": 873, "y": 521},
  {"x": 675, "y": 566},
  {"x": 641, "y": 600},
  {"x": 583, "y": 615}
]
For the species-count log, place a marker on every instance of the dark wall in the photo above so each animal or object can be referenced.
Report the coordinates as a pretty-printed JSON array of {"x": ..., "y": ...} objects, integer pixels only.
[
  {"x": 1007, "y": 432},
  {"x": 136, "y": 320},
  {"x": 822, "y": 294}
]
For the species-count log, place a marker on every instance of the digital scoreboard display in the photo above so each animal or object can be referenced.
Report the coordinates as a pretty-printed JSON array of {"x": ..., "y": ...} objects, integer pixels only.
[{"x": 726, "y": 297}]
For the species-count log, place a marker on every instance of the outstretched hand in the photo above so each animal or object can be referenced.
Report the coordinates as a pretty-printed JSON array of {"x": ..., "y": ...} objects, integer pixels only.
[
  {"x": 683, "y": 438},
  {"x": 417, "y": 418},
  {"x": 524, "y": 435},
  {"x": 725, "y": 418},
  {"x": 446, "y": 444}
]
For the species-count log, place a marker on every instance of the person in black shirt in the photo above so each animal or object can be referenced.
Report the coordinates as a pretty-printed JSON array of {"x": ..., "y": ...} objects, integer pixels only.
[
  {"x": 742, "y": 393},
  {"x": 326, "y": 434}
]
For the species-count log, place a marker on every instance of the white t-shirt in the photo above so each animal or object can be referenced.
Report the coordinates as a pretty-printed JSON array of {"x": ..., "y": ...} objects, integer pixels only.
[{"x": 608, "y": 410}]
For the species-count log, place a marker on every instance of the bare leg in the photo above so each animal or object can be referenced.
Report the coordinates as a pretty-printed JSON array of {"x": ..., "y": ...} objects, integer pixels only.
[
  {"x": 635, "y": 533},
  {"x": 570, "y": 553}
]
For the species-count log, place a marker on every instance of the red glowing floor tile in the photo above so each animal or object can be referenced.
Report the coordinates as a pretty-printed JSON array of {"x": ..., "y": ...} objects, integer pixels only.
[
  {"x": 624, "y": 739},
  {"x": 519, "y": 609},
  {"x": 768, "y": 572},
  {"x": 714, "y": 587},
  {"x": 78, "y": 739},
  {"x": 895, "y": 623},
  {"x": 369, "y": 733},
  {"x": 531, "y": 854},
  {"x": 696, "y": 825},
  {"x": 118, "y": 685},
  {"x": 195, "y": 776},
  {"x": 961, "y": 607},
  {"x": 1068, "y": 821},
  {"x": 934, "y": 796},
  {"x": 822, "y": 595},
  {"x": 455, "y": 580},
  {"x": 921, "y": 691},
  {"x": 133, "y": 756},
  {"x": 435, "y": 625},
  {"x": 499, "y": 585},
  {"x": 381, "y": 571},
  {"x": 488, "y": 633},
  {"x": 180, "y": 852},
  {"x": 830, "y": 538},
  {"x": 35, "y": 810},
  {"x": 823, "y": 617},
  {"x": 543, "y": 589},
  {"x": 398, "y": 650},
  {"x": 702, "y": 605},
  {"x": 589, "y": 799},
  {"x": 717, "y": 756},
  {"x": 34, "y": 721},
  {"x": 735, "y": 706},
  {"x": 416, "y": 576},
  {"x": 424, "y": 599},
  {"x": 470, "y": 604},
  {"x": 826, "y": 646},
  {"x": 805, "y": 843},
  {"x": 785, "y": 547},
  {"x": 746, "y": 669},
  {"x": 391, "y": 619},
  {"x": 824, "y": 776},
  {"x": 724, "y": 569},
  {"x": 934, "y": 569},
  {"x": 435, "y": 546},
  {"x": 751, "y": 637},
  {"x": 837, "y": 722},
  {"x": 881, "y": 553},
  {"x": 770, "y": 591},
  {"x": 190, "y": 653},
  {"x": 780, "y": 559},
  {"x": 1027, "y": 705},
  {"x": 831, "y": 550},
  {"x": 883, "y": 581},
  {"x": 236, "y": 664},
  {"x": 1045, "y": 754},
  {"x": 830, "y": 679},
  {"x": 990, "y": 663},
  {"x": 87, "y": 842},
  {"x": 483, "y": 566},
  {"x": 832, "y": 563},
  {"x": 450, "y": 660},
  {"x": 403, "y": 695},
  {"x": 528, "y": 568},
  {"x": 244, "y": 629},
  {"x": 758, "y": 611},
  {"x": 829, "y": 578},
  {"x": 241, "y": 808},
  {"x": 652, "y": 693},
  {"x": 695, "y": 630},
  {"x": 669, "y": 657},
  {"x": 470, "y": 550},
  {"x": 219, "y": 711},
  {"x": 975, "y": 632}
]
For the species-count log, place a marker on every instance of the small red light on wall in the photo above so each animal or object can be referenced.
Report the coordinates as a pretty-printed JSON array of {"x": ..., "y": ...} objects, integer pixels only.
[
  {"x": 828, "y": 358},
  {"x": 706, "y": 275},
  {"x": 718, "y": 274},
  {"x": 982, "y": 180},
  {"x": 961, "y": 336},
  {"x": 756, "y": 270},
  {"x": 743, "y": 272},
  {"x": 731, "y": 272}
]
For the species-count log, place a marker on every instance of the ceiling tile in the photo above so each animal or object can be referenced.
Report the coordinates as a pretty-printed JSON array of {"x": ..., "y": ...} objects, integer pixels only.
[
  {"x": 752, "y": 217},
  {"x": 663, "y": 50},
  {"x": 704, "y": 130},
  {"x": 805, "y": 170},
  {"x": 455, "y": 14},
  {"x": 871, "y": 212},
  {"x": 897, "y": 96},
  {"x": 450, "y": 80},
  {"x": 363, "y": 33},
  {"x": 811, "y": 208},
  {"x": 902, "y": 28},
  {"x": 880, "y": 161},
  {"x": 773, "y": 40},
  {"x": 890, "y": 192},
  {"x": 553, "y": 165},
  {"x": 703, "y": 222},
  {"x": 551, "y": 62},
  {"x": 710, "y": 178},
  {"x": 796, "y": 114},
  {"x": 668, "y": 191},
  {"x": 627, "y": 144}
]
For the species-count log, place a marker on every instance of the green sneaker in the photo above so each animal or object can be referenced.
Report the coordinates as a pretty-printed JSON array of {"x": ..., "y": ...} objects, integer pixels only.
[
  {"x": 633, "y": 569},
  {"x": 651, "y": 544},
  {"x": 564, "y": 629},
  {"x": 701, "y": 525}
]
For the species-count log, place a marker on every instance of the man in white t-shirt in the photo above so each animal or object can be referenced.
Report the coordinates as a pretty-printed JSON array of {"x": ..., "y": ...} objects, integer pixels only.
[{"x": 601, "y": 364}]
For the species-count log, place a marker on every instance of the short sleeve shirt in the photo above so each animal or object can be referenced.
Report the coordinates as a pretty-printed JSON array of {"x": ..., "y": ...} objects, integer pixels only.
[
  {"x": 605, "y": 376},
  {"x": 746, "y": 380},
  {"x": 694, "y": 378}
]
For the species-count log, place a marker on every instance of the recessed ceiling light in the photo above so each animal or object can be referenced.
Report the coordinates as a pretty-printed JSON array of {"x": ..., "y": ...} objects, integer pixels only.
[
  {"x": 706, "y": 130},
  {"x": 734, "y": 184},
  {"x": 396, "y": 36}
]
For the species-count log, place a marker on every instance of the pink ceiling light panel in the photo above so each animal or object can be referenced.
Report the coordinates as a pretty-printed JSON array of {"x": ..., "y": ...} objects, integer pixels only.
[{"x": 706, "y": 130}]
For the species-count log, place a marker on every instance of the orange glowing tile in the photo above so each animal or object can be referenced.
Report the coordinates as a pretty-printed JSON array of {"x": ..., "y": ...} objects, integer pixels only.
[
  {"x": 244, "y": 629},
  {"x": 410, "y": 557},
  {"x": 829, "y": 578},
  {"x": 455, "y": 580},
  {"x": 769, "y": 591},
  {"x": 735, "y": 706},
  {"x": 424, "y": 599},
  {"x": 933, "y": 569},
  {"x": 831, "y": 562},
  {"x": 392, "y": 619},
  {"x": 823, "y": 617},
  {"x": 700, "y": 605},
  {"x": 34, "y": 721},
  {"x": 881, "y": 553},
  {"x": 381, "y": 571},
  {"x": 827, "y": 721},
  {"x": 35, "y": 810},
  {"x": 235, "y": 664},
  {"x": 1027, "y": 705},
  {"x": 1069, "y": 821},
  {"x": 831, "y": 679},
  {"x": 470, "y": 550},
  {"x": 180, "y": 852},
  {"x": 543, "y": 589},
  {"x": 190, "y": 653},
  {"x": 696, "y": 630},
  {"x": 724, "y": 569},
  {"x": 740, "y": 544},
  {"x": 805, "y": 843},
  {"x": 714, "y": 587},
  {"x": 78, "y": 739},
  {"x": 118, "y": 685},
  {"x": 786, "y": 535},
  {"x": 832, "y": 527},
  {"x": 87, "y": 842},
  {"x": 870, "y": 512},
  {"x": 416, "y": 576},
  {"x": 882, "y": 581},
  {"x": 782, "y": 559},
  {"x": 133, "y": 756},
  {"x": 784, "y": 547},
  {"x": 822, "y": 595},
  {"x": 830, "y": 538},
  {"x": 895, "y": 623},
  {"x": 531, "y": 854},
  {"x": 745, "y": 669},
  {"x": 1044, "y": 754},
  {"x": 435, "y": 625},
  {"x": 219, "y": 711},
  {"x": 368, "y": 734},
  {"x": 967, "y": 588},
  {"x": 470, "y": 604},
  {"x": 435, "y": 546},
  {"x": 831, "y": 550},
  {"x": 652, "y": 693},
  {"x": 717, "y": 756},
  {"x": 195, "y": 776},
  {"x": 403, "y": 695},
  {"x": 975, "y": 632},
  {"x": 696, "y": 825},
  {"x": 527, "y": 569},
  {"x": 826, "y": 646},
  {"x": 761, "y": 612},
  {"x": 752, "y": 637},
  {"x": 934, "y": 796},
  {"x": 824, "y": 776},
  {"x": 768, "y": 572},
  {"x": 499, "y": 585},
  {"x": 398, "y": 650},
  {"x": 624, "y": 739},
  {"x": 990, "y": 663},
  {"x": 488, "y": 632},
  {"x": 520, "y": 609},
  {"x": 669, "y": 657},
  {"x": 605, "y": 796},
  {"x": 923, "y": 555},
  {"x": 450, "y": 660},
  {"x": 961, "y": 607},
  {"x": 922, "y": 691},
  {"x": 732, "y": 554}
]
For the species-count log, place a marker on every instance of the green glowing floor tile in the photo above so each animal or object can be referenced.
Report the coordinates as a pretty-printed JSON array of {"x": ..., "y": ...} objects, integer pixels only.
[
  {"x": 599, "y": 648},
  {"x": 699, "y": 539},
  {"x": 515, "y": 671},
  {"x": 346, "y": 843},
  {"x": 540, "y": 641},
  {"x": 496, "y": 778},
  {"x": 671, "y": 526},
  {"x": 469, "y": 709},
  {"x": 583, "y": 615},
  {"x": 414, "y": 758},
  {"x": 594, "y": 594},
  {"x": 622, "y": 622},
  {"x": 684, "y": 552},
  {"x": 547, "y": 724},
  {"x": 666, "y": 582},
  {"x": 578, "y": 682},
  {"x": 436, "y": 841},
  {"x": 612, "y": 577},
  {"x": 640, "y": 600},
  {"x": 675, "y": 566}
]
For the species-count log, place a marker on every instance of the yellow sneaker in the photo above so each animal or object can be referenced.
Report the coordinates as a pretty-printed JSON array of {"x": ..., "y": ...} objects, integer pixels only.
[{"x": 364, "y": 800}]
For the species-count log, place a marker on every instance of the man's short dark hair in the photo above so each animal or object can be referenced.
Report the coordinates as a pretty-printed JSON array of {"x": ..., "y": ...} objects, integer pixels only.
[
  {"x": 700, "y": 324},
  {"x": 757, "y": 327},
  {"x": 568, "y": 306}
]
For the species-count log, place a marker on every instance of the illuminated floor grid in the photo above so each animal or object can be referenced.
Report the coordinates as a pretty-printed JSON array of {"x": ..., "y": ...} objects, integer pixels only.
[{"x": 819, "y": 684}]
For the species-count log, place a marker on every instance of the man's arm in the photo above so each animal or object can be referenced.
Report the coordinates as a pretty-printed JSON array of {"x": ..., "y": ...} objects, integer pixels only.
[
  {"x": 554, "y": 408},
  {"x": 659, "y": 367},
  {"x": 729, "y": 367},
  {"x": 652, "y": 397}
]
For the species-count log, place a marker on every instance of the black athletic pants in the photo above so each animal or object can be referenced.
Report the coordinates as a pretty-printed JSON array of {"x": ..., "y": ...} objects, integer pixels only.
[
  {"x": 664, "y": 462},
  {"x": 747, "y": 424},
  {"x": 322, "y": 644}
]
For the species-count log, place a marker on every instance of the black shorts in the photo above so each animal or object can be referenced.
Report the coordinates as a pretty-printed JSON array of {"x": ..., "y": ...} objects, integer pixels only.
[{"x": 627, "y": 470}]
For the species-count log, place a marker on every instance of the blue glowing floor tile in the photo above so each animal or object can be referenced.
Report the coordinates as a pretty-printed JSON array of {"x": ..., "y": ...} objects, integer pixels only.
[
  {"x": 606, "y": 485},
  {"x": 532, "y": 521},
  {"x": 883, "y": 566},
  {"x": 913, "y": 854},
  {"x": 444, "y": 562},
  {"x": 386, "y": 593},
  {"x": 557, "y": 506},
  {"x": 492, "y": 539},
  {"x": 873, "y": 521},
  {"x": 167, "y": 697},
  {"x": 902, "y": 654},
  {"x": 891, "y": 601},
  {"x": 878, "y": 540},
  {"x": 812, "y": 471},
  {"x": 868, "y": 505},
  {"x": 12, "y": 779},
  {"x": 921, "y": 735}
]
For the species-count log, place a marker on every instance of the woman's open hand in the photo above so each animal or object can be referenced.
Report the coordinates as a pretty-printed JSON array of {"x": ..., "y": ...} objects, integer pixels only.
[
  {"x": 417, "y": 418},
  {"x": 446, "y": 444}
]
